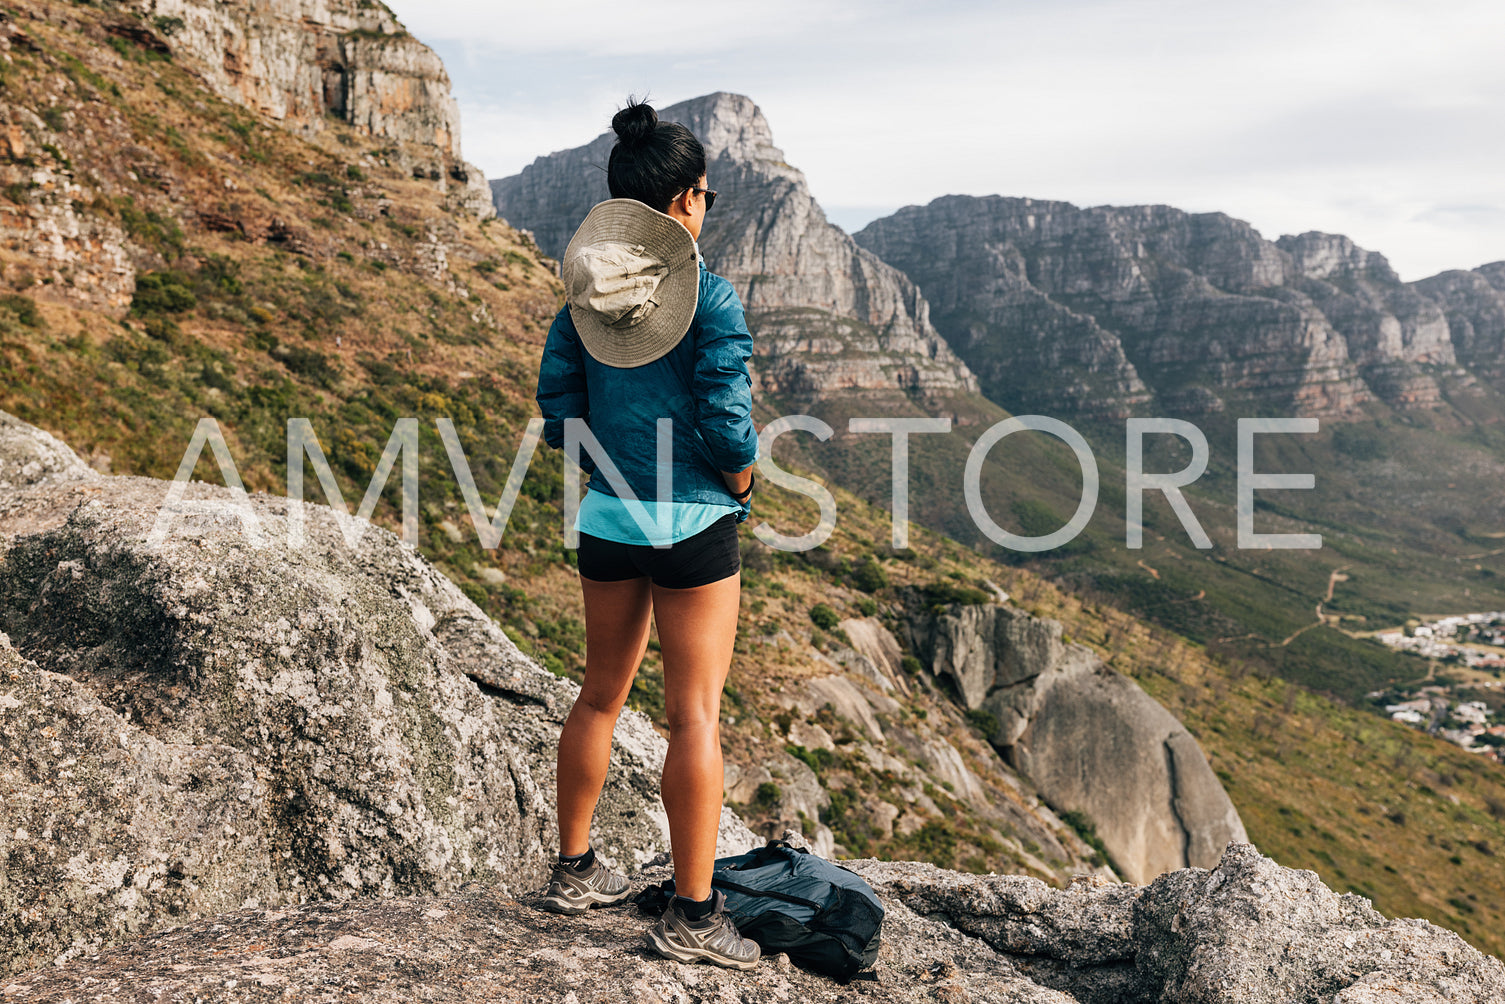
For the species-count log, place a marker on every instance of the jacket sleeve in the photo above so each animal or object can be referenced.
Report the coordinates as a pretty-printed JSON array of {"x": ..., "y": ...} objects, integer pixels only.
[
  {"x": 561, "y": 379},
  {"x": 723, "y": 389}
]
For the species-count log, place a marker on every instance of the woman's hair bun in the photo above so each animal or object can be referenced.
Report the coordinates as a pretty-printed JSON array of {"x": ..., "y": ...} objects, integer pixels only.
[{"x": 635, "y": 123}]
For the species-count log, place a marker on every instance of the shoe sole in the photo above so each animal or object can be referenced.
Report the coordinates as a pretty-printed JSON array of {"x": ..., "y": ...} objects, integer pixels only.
[
  {"x": 691, "y": 955},
  {"x": 558, "y": 904}
]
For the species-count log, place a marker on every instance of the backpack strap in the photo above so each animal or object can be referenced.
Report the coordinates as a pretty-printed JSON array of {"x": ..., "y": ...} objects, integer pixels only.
[{"x": 726, "y": 883}]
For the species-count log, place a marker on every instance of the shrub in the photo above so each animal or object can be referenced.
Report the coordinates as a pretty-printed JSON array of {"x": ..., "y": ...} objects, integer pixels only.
[
  {"x": 307, "y": 363},
  {"x": 866, "y": 607},
  {"x": 162, "y": 293},
  {"x": 816, "y": 759},
  {"x": 767, "y": 795},
  {"x": 984, "y": 721},
  {"x": 1085, "y": 829},
  {"x": 935, "y": 842},
  {"x": 869, "y": 576},
  {"x": 850, "y": 827},
  {"x": 1360, "y": 443},
  {"x": 824, "y": 617},
  {"x": 24, "y": 308},
  {"x": 941, "y": 593}
]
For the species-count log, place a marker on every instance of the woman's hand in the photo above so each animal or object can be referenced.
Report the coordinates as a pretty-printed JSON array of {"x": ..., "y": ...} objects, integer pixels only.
[{"x": 740, "y": 483}]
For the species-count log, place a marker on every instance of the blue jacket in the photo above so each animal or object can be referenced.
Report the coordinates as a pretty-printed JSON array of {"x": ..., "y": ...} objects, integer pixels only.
[{"x": 702, "y": 384}]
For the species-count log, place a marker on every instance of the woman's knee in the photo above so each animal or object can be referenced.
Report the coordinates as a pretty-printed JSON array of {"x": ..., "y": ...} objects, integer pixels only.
[
  {"x": 686, "y": 721},
  {"x": 600, "y": 703}
]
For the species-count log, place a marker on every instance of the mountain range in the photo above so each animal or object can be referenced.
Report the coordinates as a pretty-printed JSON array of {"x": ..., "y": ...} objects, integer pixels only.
[{"x": 1102, "y": 312}]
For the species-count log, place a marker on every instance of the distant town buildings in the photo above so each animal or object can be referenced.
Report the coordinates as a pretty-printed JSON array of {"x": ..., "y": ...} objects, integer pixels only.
[
  {"x": 1455, "y": 638},
  {"x": 1476, "y": 641}
]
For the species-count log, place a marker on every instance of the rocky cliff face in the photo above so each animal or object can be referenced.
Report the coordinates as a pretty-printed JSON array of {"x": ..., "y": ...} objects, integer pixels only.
[
  {"x": 1195, "y": 312},
  {"x": 118, "y": 156},
  {"x": 47, "y": 237},
  {"x": 1388, "y": 326},
  {"x": 300, "y": 62},
  {"x": 1083, "y": 735},
  {"x": 827, "y": 316},
  {"x": 1474, "y": 304}
]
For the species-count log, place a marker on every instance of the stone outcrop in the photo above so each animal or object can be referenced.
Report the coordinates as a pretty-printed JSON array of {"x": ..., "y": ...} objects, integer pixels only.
[
  {"x": 302, "y": 62},
  {"x": 48, "y": 241},
  {"x": 1087, "y": 738},
  {"x": 207, "y": 725},
  {"x": 1389, "y": 326},
  {"x": 827, "y": 316},
  {"x": 1246, "y": 932},
  {"x": 32, "y": 457},
  {"x": 853, "y": 715}
]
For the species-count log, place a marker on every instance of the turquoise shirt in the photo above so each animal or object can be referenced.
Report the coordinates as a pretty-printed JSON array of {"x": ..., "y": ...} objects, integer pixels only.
[{"x": 606, "y": 516}]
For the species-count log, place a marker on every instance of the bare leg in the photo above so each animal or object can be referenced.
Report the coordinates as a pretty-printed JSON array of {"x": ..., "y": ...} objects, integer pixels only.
[
  {"x": 697, "y": 629},
  {"x": 616, "y": 633}
]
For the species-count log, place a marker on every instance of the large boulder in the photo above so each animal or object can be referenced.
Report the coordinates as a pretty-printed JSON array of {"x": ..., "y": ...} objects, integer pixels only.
[
  {"x": 106, "y": 830},
  {"x": 31, "y": 456},
  {"x": 208, "y": 725},
  {"x": 1245, "y": 932},
  {"x": 1089, "y": 740}
]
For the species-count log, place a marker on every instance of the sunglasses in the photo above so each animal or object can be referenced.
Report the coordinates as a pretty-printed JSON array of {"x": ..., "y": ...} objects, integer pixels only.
[{"x": 710, "y": 197}]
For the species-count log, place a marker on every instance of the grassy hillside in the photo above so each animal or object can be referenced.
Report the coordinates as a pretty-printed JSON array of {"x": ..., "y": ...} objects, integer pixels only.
[
  {"x": 346, "y": 319},
  {"x": 1408, "y": 507}
]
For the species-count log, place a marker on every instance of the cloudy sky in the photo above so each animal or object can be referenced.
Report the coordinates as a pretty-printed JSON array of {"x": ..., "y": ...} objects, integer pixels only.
[{"x": 1378, "y": 119}]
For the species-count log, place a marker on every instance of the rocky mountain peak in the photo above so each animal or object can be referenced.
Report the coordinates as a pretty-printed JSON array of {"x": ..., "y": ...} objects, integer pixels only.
[
  {"x": 826, "y": 315},
  {"x": 1316, "y": 255},
  {"x": 735, "y": 128}
]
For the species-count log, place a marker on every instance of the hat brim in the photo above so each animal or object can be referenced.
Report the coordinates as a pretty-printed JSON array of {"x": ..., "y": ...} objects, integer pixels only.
[{"x": 628, "y": 221}]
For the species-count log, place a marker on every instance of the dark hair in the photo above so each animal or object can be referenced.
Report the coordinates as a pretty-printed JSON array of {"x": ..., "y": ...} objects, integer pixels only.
[{"x": 653, "y": 161}]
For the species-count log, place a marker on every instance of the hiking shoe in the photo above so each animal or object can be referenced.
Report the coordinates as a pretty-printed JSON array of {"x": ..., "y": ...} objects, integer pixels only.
[
  {"x": 714, "y": 939},
  {"x": 572, "y": 891}
]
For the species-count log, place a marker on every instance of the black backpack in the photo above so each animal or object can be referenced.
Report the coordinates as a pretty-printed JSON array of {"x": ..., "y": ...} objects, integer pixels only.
[{"x": 826, "y": 918}]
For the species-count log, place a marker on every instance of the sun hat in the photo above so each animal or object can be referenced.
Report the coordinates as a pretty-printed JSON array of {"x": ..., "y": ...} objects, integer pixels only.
[{"x": 632, "y": 281}]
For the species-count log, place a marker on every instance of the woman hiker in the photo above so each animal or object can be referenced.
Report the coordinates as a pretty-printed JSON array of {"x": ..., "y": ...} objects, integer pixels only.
[{"x": 647, "y": 334}]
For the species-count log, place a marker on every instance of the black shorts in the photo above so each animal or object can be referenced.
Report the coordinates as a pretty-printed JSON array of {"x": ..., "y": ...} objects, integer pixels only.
[{"x": 709, "y": 556}]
